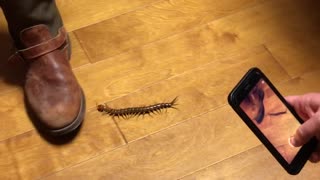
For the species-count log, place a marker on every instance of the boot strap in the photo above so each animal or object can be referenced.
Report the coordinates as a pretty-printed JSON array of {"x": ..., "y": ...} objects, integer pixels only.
[{"x": 42, "y": 48}]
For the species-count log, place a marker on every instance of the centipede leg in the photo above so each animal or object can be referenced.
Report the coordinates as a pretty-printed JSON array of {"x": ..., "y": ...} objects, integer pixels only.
[{"x": 153, "y": 112}]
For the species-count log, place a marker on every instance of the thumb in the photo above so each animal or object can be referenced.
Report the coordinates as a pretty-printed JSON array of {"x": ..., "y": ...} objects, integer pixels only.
[
  {"x": 305, "y": 132},
  {"x": 293, "y": 100}
]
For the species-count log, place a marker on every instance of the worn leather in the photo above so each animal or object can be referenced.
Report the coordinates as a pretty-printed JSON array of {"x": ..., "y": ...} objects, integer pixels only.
[{"x": 51, "y": 88}]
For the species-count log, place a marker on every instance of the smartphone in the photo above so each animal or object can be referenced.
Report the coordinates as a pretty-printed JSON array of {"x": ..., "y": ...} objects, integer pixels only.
[{"x": 271, "y": 118}]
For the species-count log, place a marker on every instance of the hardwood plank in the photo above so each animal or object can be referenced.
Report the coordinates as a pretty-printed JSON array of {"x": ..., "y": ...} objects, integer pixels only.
[
  {"x": 78, "y": 56},
  {"x": 305, "y": 83},
  {"x": 297, "y": 55},
  {"x": 141, "y": 67},
  {"x": 119, "y": 76},
  {"x": 256, "y": 163},
  {"x": 8, "y": 166},
  {"x": 289, "y": 28},
  {"x": 171, "y": 153},
  {"x": 196, "y": 143},
  {"x": 152, "y": 23},
  {"x": 82, "y": 13},
  {"x": 14, "y": 119},
  {"x": 199, "y": 91},
  {"x": 174, "y": 55},
  {"x": 36, "y": 157}
]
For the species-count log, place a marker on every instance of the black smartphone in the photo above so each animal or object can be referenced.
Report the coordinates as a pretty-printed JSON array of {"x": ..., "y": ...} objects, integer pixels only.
[{"x": 271, "y": 119}]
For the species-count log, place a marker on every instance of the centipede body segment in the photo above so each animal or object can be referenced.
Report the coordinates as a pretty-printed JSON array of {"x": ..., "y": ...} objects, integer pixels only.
[{"x": 136, "y": 111}]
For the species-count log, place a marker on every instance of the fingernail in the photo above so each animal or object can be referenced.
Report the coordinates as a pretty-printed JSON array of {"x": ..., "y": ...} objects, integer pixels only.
[{"x": 292, "y": 142}]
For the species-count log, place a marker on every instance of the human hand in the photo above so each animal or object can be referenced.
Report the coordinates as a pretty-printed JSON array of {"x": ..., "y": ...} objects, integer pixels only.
[{"x": 308, "y": 108}]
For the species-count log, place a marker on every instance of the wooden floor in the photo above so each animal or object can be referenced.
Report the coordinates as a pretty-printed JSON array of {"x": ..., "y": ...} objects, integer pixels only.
[{"x": 139, "y": 52}]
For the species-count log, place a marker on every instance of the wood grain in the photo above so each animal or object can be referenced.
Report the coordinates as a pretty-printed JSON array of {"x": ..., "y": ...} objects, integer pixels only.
[
  {"x": 297, "y": 55},
  {"x": 256, "y": 163},
  {"x": 130, "y": 53},
  {"x": 152, "y": 23},
  {"x": 14, "y": 119},
  {"x": 165, "y": 154},
  {"x": 35, "y": 157},
  {"x": 78, "y": 56},
  {"x": 82, "y": 13},
  {"x": 199, "y": 91},
  {"x": 188, "y": 50},
  {"x": 8, "y": 165},
  {"x": 172, "y": 153},
  {"x": 303, "y": 84}
]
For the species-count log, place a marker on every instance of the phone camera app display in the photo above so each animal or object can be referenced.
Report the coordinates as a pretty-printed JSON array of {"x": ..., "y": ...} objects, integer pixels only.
[{"x": 272, "y": 117}]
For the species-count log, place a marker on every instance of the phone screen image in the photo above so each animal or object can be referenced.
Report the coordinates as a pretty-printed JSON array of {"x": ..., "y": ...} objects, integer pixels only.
[{"x": 272, "y": 118}]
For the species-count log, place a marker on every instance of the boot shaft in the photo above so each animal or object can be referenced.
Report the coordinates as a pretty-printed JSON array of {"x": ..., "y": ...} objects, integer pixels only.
[{"x": 22, "y": 14}]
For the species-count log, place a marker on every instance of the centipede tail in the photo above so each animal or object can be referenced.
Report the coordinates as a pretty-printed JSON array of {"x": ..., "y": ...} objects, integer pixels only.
[{"x": 137, "y": 111}]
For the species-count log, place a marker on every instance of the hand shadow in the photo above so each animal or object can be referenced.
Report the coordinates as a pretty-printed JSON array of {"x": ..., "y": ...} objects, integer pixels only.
[{"x": 12, "y": 75}]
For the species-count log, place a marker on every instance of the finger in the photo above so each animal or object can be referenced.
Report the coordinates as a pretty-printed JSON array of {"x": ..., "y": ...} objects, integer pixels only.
[
  {"x": 315, "y": 157},
  {"x": 308, "y": 103},
  {"x": 312, "y": 101},
  {"x": 293, "y": 100},
  {"x": 310, "y": 98},
  {"x": 298, "y": 103},
  {"x": 305, "y": 132}
]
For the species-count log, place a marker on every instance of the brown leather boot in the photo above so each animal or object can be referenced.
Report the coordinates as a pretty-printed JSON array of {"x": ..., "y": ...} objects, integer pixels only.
[{"x": 51, "y": 88}]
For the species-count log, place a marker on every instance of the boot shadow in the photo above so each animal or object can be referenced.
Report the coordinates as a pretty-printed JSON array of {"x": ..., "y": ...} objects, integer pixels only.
[{"x": 10, "y": 73}]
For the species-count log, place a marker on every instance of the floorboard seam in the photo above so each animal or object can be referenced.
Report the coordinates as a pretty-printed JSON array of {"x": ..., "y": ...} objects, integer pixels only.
[{"x": 276, "y": 59}]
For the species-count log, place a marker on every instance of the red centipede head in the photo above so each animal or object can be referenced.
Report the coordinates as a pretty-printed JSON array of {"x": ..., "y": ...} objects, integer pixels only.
[{"x": 100, "y": 107}]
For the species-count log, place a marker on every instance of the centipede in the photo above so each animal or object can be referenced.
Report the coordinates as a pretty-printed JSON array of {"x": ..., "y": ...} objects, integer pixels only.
[{"x": 137, "y": 111}]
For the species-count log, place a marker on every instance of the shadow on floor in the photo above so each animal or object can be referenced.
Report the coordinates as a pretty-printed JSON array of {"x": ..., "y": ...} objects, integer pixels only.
[{"x": 10, "y": 73}]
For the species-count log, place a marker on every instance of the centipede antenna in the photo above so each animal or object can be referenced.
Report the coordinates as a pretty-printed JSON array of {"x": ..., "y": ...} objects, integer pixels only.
[
  {"x": 174, "y": 101},
  {"x": 173, "y": 107}
]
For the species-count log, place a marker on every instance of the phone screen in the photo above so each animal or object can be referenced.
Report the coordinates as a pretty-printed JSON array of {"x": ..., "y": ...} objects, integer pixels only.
[{"x": 272, "y": 117}]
